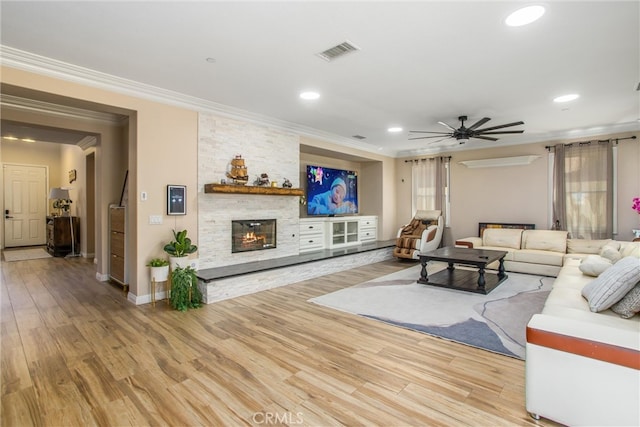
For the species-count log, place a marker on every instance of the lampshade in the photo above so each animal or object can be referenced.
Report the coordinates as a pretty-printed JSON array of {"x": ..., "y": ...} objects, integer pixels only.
[{"x": 59, "y": 193}]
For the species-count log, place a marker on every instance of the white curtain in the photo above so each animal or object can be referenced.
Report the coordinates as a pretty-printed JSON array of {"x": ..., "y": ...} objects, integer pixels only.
[
  {"x": 583, "y": 190},
  {"x": 423, "y": 179},
  {"x": 430, "y": 185}
]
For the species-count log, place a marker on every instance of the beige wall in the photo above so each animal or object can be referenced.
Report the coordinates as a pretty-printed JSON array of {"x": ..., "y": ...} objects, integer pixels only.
[{"x": 518, "y": 194}]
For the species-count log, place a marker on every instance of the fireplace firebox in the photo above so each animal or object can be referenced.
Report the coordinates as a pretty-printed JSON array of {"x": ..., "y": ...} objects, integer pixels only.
[{"x": 253, "y": 235}]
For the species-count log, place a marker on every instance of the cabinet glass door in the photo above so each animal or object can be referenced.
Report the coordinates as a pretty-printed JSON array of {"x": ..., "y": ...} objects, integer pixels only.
[
  {"x": 338, "y": 233},
  {"x": 352, "y": 231}
]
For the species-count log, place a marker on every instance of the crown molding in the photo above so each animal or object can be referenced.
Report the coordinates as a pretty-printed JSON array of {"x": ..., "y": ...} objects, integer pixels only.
[
  {"x": 87, "y": 142},
  {"x": 48, "y": 108},
  {"x": 42, "y": 65}
]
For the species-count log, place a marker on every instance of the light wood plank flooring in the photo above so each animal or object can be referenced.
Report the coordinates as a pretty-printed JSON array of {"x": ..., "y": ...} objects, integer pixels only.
[{"x": 74, "y": 352}]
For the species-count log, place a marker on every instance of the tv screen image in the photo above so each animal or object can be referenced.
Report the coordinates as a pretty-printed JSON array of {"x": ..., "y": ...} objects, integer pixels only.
[{"x": 331, "y": 191}]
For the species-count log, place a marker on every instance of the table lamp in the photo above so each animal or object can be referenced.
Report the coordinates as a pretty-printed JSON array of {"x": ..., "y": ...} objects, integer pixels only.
[{"x": 61, "y": 197}]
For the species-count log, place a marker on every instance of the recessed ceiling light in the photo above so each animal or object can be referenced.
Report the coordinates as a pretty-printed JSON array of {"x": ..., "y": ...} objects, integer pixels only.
[
  {"x": 566, "y": 98},
  {"x": 28, "y": 140},
  {"x": 394, "y": 129},
  {"x": 524, "y": 16},
  {"x": 310, "y": 95},
  {"x": 10, "y": 138}
]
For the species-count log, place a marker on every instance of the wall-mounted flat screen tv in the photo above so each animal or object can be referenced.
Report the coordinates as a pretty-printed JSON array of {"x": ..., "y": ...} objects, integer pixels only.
[{"x": 331, "y": 191}]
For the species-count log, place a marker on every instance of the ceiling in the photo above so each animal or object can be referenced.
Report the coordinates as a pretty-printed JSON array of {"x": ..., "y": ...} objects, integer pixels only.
[{"x": 418, "y": 63}]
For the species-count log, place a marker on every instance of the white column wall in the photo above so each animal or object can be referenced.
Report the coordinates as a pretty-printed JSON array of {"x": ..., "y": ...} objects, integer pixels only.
[{"x": 265, "y": 150}]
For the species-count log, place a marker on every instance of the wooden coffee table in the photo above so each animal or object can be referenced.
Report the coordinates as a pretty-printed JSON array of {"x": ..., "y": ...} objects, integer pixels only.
[{"x": 464, "y": 280}]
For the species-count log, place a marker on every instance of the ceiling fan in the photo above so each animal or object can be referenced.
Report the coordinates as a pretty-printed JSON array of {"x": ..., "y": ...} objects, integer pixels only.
[{"x": 462, "y": 134}]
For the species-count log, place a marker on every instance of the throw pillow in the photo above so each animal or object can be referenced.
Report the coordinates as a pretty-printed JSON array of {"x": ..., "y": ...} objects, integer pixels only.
[
  {"x": 611, "y": 251},
  {"x": 613, "y": 284},
  {"x": 631, "y": 249},
  {"x": 629, "y": 305},
  {"x": 594, "y": 265}
]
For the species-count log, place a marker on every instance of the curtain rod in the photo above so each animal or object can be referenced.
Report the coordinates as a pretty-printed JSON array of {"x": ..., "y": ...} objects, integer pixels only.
[
  {"x": 550, "y": 147},
  {"x": 427, "y": 158}
]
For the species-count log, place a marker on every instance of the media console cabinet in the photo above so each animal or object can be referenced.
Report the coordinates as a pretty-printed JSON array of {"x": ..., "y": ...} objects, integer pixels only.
[{"x": 337, "y": 232}]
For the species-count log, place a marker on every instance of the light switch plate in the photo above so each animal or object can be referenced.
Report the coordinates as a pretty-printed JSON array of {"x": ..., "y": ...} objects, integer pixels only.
[{"x": 155, "y": 219}]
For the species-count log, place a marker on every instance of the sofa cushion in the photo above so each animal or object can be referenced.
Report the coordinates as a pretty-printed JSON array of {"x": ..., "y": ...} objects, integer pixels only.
[
  {"x": 629, "y": 305},
  {"x": 585, "y": 246},
  {"x": 609, "y": 288},
  {"x": 630, "y": 249},
  {"x": 594, "y": 265},
  {"x": 611, "y": 251},
  {"x": 538, "y": 257},
  {"x": 502, "y": 237},
  {"x": 545, "y": 240},
  {"x": 567, "y": 298}
]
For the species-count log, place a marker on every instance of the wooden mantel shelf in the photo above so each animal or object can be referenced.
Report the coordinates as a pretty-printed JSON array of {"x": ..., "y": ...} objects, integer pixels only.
[{"x": 252, "y": 189}]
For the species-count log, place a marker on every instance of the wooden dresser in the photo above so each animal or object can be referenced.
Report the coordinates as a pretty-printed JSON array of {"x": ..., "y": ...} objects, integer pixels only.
[
  {"x": 118, "y": 246},
  {"x": 60, "y": 240}
]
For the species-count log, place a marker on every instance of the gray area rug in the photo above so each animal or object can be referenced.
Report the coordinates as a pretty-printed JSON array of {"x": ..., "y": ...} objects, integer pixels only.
[
  {"x": 25, "y": 254},
  {"x": 495, "y": 322}
]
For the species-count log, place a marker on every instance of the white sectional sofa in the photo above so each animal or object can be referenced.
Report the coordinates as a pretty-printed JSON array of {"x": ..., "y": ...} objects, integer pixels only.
[
  {"x": 582, "y": 360},
  {"x": 541, "y": 252},
  {"x": 583, "y": 367}
]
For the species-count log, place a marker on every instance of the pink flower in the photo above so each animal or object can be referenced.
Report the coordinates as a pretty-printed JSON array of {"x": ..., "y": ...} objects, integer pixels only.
[{"x": 636, "y": 204}]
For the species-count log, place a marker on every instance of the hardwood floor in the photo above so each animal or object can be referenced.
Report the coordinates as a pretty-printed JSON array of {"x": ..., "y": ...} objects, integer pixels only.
[{"x": 75, "y": 352}]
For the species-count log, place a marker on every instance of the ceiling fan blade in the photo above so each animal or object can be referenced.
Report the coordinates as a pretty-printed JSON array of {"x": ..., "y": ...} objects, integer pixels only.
[
  {"x": 426, "y": 131},
  {"x": 434, "y": 136},
  {"x": 488, "y": 138},
  {"x": 498, "y": 132},
  {"x": 501, "y": 126},
  {"x": 435, "y": 142},
  {"x": 447, "y": 126},
  {"x": 478, "y": 123}
]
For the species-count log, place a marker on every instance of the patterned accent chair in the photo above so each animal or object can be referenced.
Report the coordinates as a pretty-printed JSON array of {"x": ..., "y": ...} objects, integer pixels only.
[{"x": 422, "y": 234}]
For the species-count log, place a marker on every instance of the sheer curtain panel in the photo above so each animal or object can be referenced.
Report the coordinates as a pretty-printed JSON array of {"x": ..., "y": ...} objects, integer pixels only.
[
  {"x": 429, "y": 178},
  {"x": 583, "y": 189}
]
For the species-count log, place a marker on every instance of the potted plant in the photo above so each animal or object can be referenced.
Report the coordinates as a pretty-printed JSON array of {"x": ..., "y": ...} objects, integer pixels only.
[
  {"x": 185, "y": 293},
  {"x": 179, "y": 249},
  {"x": 159, "y": 269}
]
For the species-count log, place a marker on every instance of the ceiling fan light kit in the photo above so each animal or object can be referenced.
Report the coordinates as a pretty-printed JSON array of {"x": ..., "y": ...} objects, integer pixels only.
[{"x": 463, "y": 134}]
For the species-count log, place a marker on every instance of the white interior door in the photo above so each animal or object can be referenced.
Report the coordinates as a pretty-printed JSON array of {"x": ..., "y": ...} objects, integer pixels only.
[{"x": 25, "y": 204}]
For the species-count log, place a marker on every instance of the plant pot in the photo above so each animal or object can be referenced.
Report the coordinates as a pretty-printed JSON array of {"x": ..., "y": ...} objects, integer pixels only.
[
  {"x": 159, "y": 274},
  {"x": 183, "y": 261}
]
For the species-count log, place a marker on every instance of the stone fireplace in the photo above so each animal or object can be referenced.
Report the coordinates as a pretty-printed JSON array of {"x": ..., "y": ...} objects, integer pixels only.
[
  {"x": 266, "y": 149},
  {"x": 253, "y": 235}
]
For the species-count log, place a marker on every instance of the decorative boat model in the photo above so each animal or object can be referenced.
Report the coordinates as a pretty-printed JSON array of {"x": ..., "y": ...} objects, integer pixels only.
[{"x": 238, "y": 171}]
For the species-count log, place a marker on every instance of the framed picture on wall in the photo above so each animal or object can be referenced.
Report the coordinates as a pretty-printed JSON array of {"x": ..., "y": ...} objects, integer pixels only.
[{"x": 176, "y": 199}]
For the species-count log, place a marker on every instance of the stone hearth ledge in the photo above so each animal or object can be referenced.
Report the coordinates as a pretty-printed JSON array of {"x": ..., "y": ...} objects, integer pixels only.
[{"x": 221, "y": 283}]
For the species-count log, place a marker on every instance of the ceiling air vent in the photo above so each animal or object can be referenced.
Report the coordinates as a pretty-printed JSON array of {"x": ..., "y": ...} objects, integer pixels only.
[
  {"x": 359, "y": 137},
  {"x": 337, "y": 51}
]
